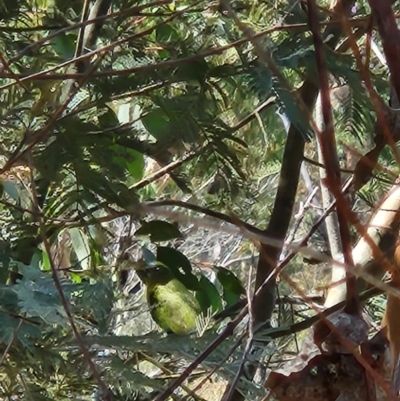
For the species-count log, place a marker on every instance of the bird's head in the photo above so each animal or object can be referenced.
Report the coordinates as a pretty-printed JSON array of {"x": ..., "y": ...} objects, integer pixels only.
[{"x": 156, "y": 274}]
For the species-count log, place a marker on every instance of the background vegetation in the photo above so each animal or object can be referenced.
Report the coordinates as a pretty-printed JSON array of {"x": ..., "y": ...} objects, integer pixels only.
[{"x": 178, "y": 129}]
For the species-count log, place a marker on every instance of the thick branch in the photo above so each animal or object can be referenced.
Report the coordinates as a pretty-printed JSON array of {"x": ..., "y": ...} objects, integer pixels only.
[{"x": 283, "y": 207}]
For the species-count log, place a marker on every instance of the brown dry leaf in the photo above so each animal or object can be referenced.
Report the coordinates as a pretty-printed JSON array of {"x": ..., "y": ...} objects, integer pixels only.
[
  {"x": 308, "y": 351},
  {"x": 333, "y": 376},
  {"x": 378, "y": 350},
  {"x": 311, "y": 383},
  {"x": 377, "y": 353},
  {"x": 351, "y": 328},
  {"x": 325, "y": 378}
]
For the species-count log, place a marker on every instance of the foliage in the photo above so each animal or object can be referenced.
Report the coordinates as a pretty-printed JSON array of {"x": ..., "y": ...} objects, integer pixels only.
[{"x": 87, "y": 116}]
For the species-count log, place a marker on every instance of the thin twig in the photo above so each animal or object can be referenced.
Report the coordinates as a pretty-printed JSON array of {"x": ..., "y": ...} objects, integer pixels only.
[{"x": 43, "y": 75}]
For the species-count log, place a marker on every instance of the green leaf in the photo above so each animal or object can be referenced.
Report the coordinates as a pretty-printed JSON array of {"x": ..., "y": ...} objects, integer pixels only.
[
  {"x": 37, "y": 297},
  {"x": 232, "y": 288},
  {"x": 81, "y": 247},
  {"x": 221, "y": 71},
  {"x": 26, "y": 332},
  {"x": 75, "y": 278},
  {"x": 157, "y": 123},
  {"x": 64, "y": 45},
  {"x": 95, "y": 180},
  {"x": 175, "y": 260},
  {"x": 96, "y": 300},
  {"x": 230, "y": 297},
  {"x": 108, "y": 119},
  {"x": 159, "y": 231},
  {"x": 208, "y": 296},
  {"x": 229, "y": 281},
  {"x": 193, "y": 71},
  {"x": 259, "y": 80},
  {"x": 166, "y": 34},
  {"x": 5, "y": 259},
  {"x": 45, "y": 262},
  {"x": 11, "y": 190},
  {"x": 293, "y": 112},
  {"x": 130, "y": 159},
  {"x": 136, "y": 165}
]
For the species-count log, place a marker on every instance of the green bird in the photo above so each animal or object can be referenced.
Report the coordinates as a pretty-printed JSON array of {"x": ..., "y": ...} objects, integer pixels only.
[{"x": 173, "y": 307}]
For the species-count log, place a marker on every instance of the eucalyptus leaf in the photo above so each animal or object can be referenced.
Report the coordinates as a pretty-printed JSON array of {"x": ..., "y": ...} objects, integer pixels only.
[
  {"x": 159, "y": 231},
  {"x": 208, "y": 296},
  {"x": 80, "y": 244},
  {"x": 176, "y": 260}
]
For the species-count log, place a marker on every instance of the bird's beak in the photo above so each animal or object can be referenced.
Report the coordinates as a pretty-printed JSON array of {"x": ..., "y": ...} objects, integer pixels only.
[{"x": 142, "y": 272}]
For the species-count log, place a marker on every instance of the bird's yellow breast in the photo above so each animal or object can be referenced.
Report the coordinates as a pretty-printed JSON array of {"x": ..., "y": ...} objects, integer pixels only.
[{"x": 173, "y": 307}]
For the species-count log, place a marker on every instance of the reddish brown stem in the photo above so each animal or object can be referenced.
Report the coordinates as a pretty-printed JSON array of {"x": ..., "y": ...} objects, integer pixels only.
[
  {"x": 390, "y": 35},
  {"x": 328, "y": 149}
]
